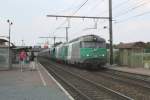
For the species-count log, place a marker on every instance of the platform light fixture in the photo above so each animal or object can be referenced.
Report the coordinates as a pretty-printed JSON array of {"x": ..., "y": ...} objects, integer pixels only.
[{"x": 9, "y": 31}]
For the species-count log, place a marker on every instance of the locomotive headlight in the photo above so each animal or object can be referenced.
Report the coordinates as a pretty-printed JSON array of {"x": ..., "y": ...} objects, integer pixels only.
[
  {"x": 103, "y": 55},
  {"x": 87, "y": 55}
]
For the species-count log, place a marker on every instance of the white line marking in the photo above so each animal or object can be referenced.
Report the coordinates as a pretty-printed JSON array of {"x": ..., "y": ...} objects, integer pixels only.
[
  {"x": 41, "y": 76},
  {"x": 60, "y": 86}
]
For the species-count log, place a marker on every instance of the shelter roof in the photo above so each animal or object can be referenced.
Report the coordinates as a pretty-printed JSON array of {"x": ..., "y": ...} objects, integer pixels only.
[
  {"x": 3, "y": 40},
  {"x": 4, "y": 43},
  {"x": 131, "y": 45}
]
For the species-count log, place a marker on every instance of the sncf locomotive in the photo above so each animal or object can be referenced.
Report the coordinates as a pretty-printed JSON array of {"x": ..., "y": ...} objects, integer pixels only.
[{"x": 87, "y": 51}]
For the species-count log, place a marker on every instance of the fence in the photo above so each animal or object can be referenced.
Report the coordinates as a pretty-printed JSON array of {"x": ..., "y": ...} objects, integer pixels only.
[
  {"x": 133, "y": 60},
  {"x": 140, "y": 60},
  {"x": 146, "y": 60},
  {"x": 115, "y": 56}
]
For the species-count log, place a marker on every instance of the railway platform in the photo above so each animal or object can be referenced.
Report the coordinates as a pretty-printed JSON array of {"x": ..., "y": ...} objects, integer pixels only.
[
  {"x": 30, "y": 85},
  {"x": 138, "y": 70}
]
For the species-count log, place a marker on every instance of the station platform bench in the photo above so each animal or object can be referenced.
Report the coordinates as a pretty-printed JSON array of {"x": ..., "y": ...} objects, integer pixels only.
[{"x": 30, "y": 85}]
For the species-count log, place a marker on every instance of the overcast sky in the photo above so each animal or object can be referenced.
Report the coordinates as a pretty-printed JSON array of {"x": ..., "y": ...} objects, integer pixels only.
[{"x": 131, "y": 19}]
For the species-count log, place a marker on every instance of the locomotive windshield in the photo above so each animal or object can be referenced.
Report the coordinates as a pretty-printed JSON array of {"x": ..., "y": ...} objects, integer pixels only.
[{"x": 92, "y": 44}]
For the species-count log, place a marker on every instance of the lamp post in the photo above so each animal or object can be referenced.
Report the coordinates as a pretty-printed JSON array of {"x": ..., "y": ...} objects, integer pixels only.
[{"x": 10, "y": 23}]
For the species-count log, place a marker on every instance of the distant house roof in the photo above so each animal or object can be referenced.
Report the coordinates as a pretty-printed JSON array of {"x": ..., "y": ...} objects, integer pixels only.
[
  {"x": 3, "y": 43},
  {"x": 131, "y": 45},
  {"x": 3, "y": 40},
  {"x": 28, "y": 48}
]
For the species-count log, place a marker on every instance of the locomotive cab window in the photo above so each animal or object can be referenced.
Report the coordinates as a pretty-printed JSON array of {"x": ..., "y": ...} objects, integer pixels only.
[{"x": 93, "y": 44}]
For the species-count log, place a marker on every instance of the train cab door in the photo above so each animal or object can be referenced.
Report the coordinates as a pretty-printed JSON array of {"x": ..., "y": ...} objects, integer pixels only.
[{"x": 69, "y": 52}]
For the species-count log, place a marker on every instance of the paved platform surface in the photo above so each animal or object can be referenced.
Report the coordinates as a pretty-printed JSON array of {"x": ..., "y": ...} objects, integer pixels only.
[
  {"x": 29, "y": 85},
  {"x": 138, "y": 70}
]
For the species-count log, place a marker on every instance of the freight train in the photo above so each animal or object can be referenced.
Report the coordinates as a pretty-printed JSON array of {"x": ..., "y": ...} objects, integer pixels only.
[{"x": 87, "y": 51}]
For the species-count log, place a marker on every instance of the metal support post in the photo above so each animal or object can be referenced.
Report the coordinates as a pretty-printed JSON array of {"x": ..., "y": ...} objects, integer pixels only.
[
  {"x": 54, "y": 40},
  {"x": 67, "y": 34},
  {"x": 110, "y": 32}
]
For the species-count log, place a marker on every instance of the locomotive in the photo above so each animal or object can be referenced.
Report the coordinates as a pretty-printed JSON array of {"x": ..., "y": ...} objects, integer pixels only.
[{"x": 87, "y": 51}]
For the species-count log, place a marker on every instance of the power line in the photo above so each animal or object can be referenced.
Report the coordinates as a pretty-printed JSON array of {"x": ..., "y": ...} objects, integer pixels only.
[
  {"x": 117, "y": 6},
  {"x": 71, "y": 7},
  {"x": 65, "y": 11},
  {"x": 76, "y": 11},
  {"x": 110, "y": 23},
  {"x": 132, "y": 9},
  {"x": 98, "y": 3},
  {"x": 80, "y": 7},
  {"x": 145, "y": 13},
  {"x": 73, "y": 14},
  {"x": 120, "y": 4}
]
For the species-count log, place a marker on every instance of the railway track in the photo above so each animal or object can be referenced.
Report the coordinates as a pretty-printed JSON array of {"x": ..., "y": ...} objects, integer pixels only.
[
  {"x": 127, "y": 78},
  {"x": 137, "y": 89},
  {"x": 136, "y": 77},
  {"x": 80, "y": 87}
]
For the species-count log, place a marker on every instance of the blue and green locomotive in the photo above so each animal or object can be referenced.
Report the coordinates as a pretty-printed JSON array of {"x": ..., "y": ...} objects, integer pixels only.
[{"x": 85, "y": 51}]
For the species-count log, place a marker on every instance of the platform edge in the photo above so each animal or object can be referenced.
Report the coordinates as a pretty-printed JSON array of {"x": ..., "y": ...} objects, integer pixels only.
[{"x": 60, "y": 86}]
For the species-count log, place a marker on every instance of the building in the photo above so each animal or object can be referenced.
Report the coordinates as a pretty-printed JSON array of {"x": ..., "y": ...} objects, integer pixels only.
[
  {"x": 131, "y": 54},
  {"x": 4, "y": 54}
]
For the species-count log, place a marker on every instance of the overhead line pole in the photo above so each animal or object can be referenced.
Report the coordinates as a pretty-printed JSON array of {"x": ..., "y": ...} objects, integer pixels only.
[
  {"x": 110, "y": 26},
  {"x": 89, "y": 17},
  {"x": 110, "y": 32},
  {"x": 67, "y": 33},
  {"x": 66, "y": 29},
  {"x": 81, "y": 17},
  {"x": 53, "y": 38}
]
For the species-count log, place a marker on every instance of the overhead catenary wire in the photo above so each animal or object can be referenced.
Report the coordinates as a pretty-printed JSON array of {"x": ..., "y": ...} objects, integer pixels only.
[
  {"x": 97, "y": 4},
  {"x": 71, "y": 7},
  {"x": 80, "y": 7},
  {"x": 116, "y": 6},
  {"x": 121, "y": 4},
  {"x": 136, "y": 16},
  {"x": 72, "y": 14},
  {"x": 132, "y": 9}
]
